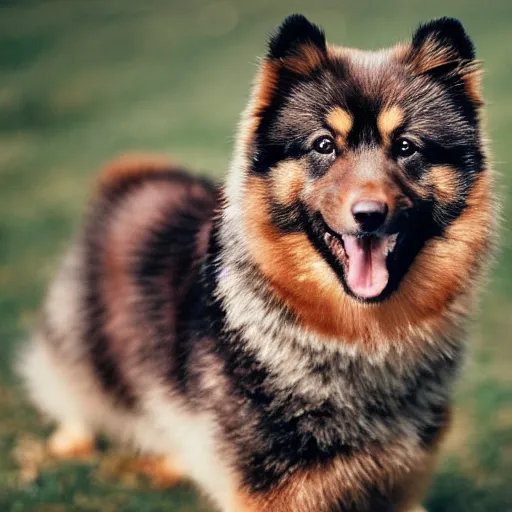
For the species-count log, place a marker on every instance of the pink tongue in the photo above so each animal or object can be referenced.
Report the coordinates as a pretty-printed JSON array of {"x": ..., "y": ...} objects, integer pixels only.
[{"x": 367, "y": 274}]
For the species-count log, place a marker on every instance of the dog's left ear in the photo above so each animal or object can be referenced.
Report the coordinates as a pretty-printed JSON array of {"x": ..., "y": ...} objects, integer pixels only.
[
  {"x": 443, "y": 49},
  {"x": 298, "y": 45},
  {"x": 441, "y": 46}
]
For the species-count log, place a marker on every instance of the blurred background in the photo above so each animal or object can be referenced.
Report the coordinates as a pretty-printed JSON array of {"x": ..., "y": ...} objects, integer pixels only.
[{"x": 81, "y": 81}]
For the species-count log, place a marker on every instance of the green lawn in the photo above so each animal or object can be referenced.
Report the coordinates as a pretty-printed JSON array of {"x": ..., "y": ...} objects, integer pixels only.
[{"x": 81, "y": 81}]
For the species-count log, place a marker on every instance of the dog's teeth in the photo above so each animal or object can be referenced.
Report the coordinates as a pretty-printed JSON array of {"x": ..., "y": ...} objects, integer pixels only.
[
  {"x": 391, "y": 243},
  {"x": 334, "y": 245}
]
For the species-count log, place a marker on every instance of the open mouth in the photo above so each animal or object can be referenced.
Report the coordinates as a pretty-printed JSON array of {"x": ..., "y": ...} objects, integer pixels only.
[{"x": 364, "y": 259}]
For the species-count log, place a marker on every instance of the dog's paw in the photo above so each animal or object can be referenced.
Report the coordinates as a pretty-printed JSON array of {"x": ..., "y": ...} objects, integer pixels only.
[
  {"x": 71, "y": 442},
  {"x": 162, "y": 471}
]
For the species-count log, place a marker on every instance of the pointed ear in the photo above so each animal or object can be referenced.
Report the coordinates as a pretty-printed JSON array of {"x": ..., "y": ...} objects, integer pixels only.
[
  {"x": 443, "y": 49},
  {"x": 299, "y": 44},
  {"x": 445, "y": 35}
]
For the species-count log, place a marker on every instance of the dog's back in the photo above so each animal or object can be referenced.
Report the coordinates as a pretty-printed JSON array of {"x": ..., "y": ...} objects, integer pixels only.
[{"x": 129, "y": 270}]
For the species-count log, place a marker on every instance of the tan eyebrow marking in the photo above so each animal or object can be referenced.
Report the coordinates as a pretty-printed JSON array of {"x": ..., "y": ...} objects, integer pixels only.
[
  {"x": 388, "y": 121},
  {"x": 341, "y": 122}
]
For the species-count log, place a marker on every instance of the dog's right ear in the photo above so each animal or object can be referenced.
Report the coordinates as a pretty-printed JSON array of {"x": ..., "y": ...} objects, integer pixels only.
[{"x": 299, "y": 45}]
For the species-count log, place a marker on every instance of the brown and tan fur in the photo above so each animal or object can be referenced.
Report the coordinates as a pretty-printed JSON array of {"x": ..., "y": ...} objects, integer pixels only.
[{"x": 216, "y": 331}]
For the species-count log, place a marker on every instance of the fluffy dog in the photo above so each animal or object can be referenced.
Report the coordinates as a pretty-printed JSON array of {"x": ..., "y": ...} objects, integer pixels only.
[{"x": 288, "y": 341}]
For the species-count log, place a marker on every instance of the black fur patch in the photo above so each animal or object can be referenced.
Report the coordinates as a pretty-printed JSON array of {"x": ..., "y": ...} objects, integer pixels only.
[
  {"x": 178, "y": 235},
  {"x": 295, "y": 31},
  {"x": 171, "y": 293},
  {"x": 107, "y": 369}
]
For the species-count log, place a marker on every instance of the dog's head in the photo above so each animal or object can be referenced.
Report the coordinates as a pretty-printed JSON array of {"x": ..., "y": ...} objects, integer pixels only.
[{"x": 359, "y": 164}]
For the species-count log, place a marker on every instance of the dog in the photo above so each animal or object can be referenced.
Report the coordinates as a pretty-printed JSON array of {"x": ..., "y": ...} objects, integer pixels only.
[{"x": 287, "y": 341}]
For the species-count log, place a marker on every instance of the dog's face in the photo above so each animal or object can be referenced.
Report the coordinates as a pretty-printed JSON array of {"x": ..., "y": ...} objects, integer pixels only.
[{"x": 368, "y": 155}]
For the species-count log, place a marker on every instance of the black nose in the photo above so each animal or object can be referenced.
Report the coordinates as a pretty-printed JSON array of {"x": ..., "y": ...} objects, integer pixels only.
[{"x": 370, "y": 215}]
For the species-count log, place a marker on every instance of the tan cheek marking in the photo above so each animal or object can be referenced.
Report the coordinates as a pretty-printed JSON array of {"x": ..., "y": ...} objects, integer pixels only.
[
  {"x": 388, "y": 121},
  {"x": 444, "y": 180},
  {"x": 288, "y": 180},
  {"x": 308, "y": 58},
  {"x": 290, "y": 262},
  {"x": 446, "y": 267}
]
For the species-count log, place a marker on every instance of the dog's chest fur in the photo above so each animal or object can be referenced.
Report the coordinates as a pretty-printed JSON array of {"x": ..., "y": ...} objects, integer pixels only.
[{"x": 286, "y": 400}]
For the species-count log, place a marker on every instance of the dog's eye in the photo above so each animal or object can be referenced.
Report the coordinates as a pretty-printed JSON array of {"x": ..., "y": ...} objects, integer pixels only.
[
  {"x": 324, "y": 145},
  {"x": 404, "y": 147}
]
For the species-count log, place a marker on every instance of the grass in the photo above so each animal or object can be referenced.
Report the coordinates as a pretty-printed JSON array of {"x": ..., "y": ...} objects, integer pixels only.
[{"x": 82, "y": 81}]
